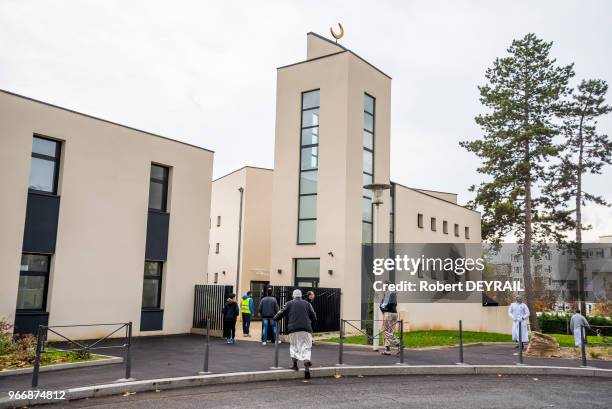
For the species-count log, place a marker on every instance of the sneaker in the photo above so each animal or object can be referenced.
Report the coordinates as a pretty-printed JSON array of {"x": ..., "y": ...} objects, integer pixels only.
[
  {"x": 264, "y": 343},
  {"x": 228, "y": 341},
  {"x": 233, "y": 340},
  {"x": 295, "y": 366},
  {"x": 307, "y": 370}
]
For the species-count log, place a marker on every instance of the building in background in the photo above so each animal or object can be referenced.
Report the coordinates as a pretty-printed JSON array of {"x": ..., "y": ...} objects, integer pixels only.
[{"x": 101, "y": 223}]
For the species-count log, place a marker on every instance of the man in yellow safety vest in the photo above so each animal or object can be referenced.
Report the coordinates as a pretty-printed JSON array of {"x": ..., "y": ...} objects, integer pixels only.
[{"x": 247, "y": 310}]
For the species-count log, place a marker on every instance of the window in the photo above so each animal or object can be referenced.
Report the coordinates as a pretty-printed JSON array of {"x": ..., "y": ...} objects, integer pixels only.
[
  {"x": 158, "y": 188},
  {"x": 44, "y": 165},
  {"x": 33, "y": 282},
  {"x": 456, "y": 230},
  {"x": 369, "y": 105},
  {"x": 307, "y": 272},
  {"x": 420, "y": 220},
  {"x": 309, "y": 168},
  {"x": 152, "y": 285},
  {"x": 444, "y": 227},
  {"x": 217, "y": 248},
  {"x": 433, "y": 224},
  {"x": 392, "y": 215},
  {"x": 467, "y": 232},
  {"x": 218, "y": 221},
  {"x": 216, "y": 278}
]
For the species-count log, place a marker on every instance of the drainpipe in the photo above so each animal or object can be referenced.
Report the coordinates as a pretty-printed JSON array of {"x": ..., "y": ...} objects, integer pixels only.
[{"x": 237, "y": 289}]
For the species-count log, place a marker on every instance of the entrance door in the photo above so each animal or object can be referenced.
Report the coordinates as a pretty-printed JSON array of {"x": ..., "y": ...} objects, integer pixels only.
[{"x": 258, "y": 289}]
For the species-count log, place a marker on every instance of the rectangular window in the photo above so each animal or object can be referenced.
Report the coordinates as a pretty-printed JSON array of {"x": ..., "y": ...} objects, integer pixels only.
[
  {"x": 420, "y": 220},
  {"x": 217, "y": 248},
  {"x": 456, "y": 230},
  {"x": 218, "y": 221},
  {"x": 44, "y": 165},
  {"x": 33, "y": 282},
  {"x": 158, "y": 188},
  {"x": 467, "y": 233},
  {"x": 433, "y": 224},
  {"x": 369, "y": 106},
  {"x": 152, "y": 285},
  {"x": 307, "y": 272},
  {"x": 309, "y": 168},
  {"x": 445, "y": 227},
  {"x": 392, "y": 214},
  {"x": 216, "y": 278}
]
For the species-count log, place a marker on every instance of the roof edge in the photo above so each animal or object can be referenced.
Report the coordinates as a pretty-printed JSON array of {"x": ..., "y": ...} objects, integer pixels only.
[
  {"x": 104, "y": 120},
  {"x": 434, "y": 197},
  {"x": 242, "y": 168}
]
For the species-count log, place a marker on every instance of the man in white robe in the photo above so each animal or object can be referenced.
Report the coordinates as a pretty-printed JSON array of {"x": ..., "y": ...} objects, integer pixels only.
[
  {"x": 576, "y": 323},
  {"x": 519, "y": 313}
]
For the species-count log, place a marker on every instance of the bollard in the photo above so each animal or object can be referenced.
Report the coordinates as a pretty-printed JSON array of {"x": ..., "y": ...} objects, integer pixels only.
[
  {"x": 520, "y": 341},
  {"x": 341, "y": 344},
  {"x": 460, "y": 342},
  {"x": 128, "y": 353},
  {"x": 582, "y": 346},
  {"x": 39, "y": 342},
  {"x": 401, "y": 342},
  {"x": 276, "y": 339},
  {"x": 206, "y": 349}
]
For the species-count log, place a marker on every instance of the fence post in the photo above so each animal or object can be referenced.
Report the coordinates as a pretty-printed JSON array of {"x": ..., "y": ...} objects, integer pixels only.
[
  {"x": 128, "y": 353},
  {"x": 276, "y": 339},
  {"x": 341, "y": 343},
  {"x": 582, "y": 346},
  {"x": 520, "y": 342},
  {"x": 206, "y": 348},
  {"x": 460, "y": 342},
  {"x": 401, "y": 342},
  {"x": 39, "y": 342}
]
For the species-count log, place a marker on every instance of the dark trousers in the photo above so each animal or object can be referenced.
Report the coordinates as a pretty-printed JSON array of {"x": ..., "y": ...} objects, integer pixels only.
[
  {"x": 229, "y": 328},
  {"x": 246, "y": 323}
]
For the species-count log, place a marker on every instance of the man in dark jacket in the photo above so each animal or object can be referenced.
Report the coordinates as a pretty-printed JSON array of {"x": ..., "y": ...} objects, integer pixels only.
[
  {"x": 230, "y": 314},
  {"x": 268, "y": 307},
  {"x": 300, "y": 316}
]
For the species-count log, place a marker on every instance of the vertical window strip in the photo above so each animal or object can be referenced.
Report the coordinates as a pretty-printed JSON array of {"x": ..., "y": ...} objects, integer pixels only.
[
  {"x": 368, "y": 166},
  {"x": 309, "y": 167}
]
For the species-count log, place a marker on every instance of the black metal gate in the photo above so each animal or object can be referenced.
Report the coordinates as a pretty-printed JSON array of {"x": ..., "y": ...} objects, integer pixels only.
[
  {"x": 326, "y": 305},
  {"x": 208, "y": 304}
]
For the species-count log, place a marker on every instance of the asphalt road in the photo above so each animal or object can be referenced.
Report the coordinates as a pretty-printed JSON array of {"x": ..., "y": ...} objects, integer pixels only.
[{"x": 378, "y": 392}]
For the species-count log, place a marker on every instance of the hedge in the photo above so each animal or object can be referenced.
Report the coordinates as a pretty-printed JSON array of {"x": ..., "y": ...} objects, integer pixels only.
[{"x": 559, "y": 324}]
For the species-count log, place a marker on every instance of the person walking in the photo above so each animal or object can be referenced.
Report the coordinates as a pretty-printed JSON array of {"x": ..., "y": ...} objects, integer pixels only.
[
  {"x": 230, "y": 314},
  {"x": 300, "y": 316},
  {"x": 576, "y": 323},
  {"x": 247, "y": 310},
  {"x": 268, "y": 307},
  {"x": 388, "y": 306},
  {"x": 519, "y": 312}
]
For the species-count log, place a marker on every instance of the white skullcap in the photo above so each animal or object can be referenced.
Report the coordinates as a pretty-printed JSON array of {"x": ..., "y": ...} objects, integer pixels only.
[{"x": 297, "y": 293}]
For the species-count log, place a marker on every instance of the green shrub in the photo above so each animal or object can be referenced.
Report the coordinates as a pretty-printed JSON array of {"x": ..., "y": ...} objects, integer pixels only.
[{"x": 559, "y": 324}]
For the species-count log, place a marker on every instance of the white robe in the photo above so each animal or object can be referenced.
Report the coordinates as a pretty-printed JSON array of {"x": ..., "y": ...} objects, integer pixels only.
[
  {"x": 576, "y": 324},
  {"x": 519, "y": 314},
  {"x": 300, "y": 345}
]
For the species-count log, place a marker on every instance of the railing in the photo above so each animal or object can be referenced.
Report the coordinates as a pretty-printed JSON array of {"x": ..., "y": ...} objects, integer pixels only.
[
  {"x": 326, "y": 305},
  {"x": 82, "y": 346},
  {"x": 207, "y": 306},
  {"x": 387, "y": 328}
]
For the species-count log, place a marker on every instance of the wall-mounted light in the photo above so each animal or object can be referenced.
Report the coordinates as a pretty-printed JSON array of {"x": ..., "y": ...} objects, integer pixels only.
[
  {"x": 330, "y": 272},
  {"x": 279, "y": 271},
  {"x": 331, "y": 254},
  {"x": 223, "y": 272}
]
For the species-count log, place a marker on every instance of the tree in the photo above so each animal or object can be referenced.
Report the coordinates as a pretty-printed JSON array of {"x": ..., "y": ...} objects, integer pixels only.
[
  {"x": 523, "y": 95},
  {"x": 584, "y": 152}
]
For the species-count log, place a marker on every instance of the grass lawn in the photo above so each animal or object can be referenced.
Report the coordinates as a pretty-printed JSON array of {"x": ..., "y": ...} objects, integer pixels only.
[
  {"x": 51, "y": 357},
  {"x": 419, "y": 339}
]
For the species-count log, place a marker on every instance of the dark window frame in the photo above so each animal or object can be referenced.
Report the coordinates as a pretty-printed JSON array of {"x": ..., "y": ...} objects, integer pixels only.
[
  {"x": 466, "y": 231},
  {"x": 445, "y": 226},
  {"x": 45, "y": 274},
  {"x": 164, "y": 182},
  {"x": 160, "y": 280},
  {"x": 420, "y": 220},
  {"x": 316, "y": 280},
  {"x": 371, "y": 150},
  {"x": 56, "y": 163},
  {"x": 300, "y": 170},
  {"x": 456, "y": 229},
  {"x": 217, "y": 246},
  {"x": 433, "y": 224},
  {"x": 218, "y": 221}
]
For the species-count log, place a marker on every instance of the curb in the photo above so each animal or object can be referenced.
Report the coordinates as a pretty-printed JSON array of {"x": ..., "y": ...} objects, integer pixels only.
[
  {"x": 107, "y": 360},
  {"x": 432, "y": 348},
  {"x": 287, "y": 374}
]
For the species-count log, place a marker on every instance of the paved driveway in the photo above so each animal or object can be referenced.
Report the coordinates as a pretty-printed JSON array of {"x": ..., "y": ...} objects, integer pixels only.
[{"x": 182, "y": 355}]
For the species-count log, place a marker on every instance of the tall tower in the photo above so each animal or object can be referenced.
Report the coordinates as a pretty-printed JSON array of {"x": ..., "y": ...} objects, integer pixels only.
[{"x": 332, "y": 138}]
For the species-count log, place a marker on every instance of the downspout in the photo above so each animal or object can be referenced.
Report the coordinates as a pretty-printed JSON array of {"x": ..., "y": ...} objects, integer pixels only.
[{"x": 237, "y": 289}]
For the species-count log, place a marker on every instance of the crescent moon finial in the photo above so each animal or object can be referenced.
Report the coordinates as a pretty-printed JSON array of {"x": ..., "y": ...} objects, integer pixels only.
[{"x": 337, "y": 36}]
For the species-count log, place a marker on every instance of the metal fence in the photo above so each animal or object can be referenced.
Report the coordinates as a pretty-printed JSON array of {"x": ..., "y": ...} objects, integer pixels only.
[
  {"x": 326, "y": 305},
  {"x": 208, "y": 305}
]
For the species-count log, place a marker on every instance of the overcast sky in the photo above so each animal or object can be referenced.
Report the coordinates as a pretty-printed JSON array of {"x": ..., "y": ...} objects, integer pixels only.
[{"x": 205, "y": 72}]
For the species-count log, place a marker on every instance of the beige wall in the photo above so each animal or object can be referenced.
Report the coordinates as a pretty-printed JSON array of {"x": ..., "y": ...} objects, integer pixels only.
[
  {"x": 342, "y": 79},
  {"x": 449, "y": 197},
  {"x": 256, "y": 227},
  {"x": 97, "y": 269}
]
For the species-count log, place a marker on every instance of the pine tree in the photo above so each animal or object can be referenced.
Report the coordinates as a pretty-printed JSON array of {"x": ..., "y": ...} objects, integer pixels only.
[
  {"x": 523, "y": 96},
  {"x": 584, "y": 152}
]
